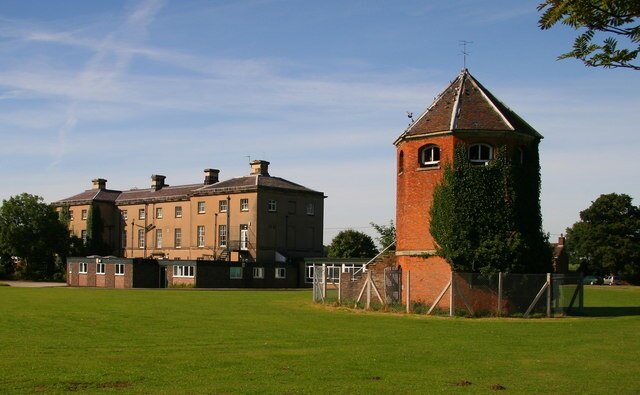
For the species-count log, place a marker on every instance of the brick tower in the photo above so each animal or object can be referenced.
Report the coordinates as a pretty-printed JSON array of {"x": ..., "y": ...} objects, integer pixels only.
[{"x": 464, "y": 113}]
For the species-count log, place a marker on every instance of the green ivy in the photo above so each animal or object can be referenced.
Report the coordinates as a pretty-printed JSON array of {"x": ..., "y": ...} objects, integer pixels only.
[
  {"x": 487, "y": 219},
  {"x": 95, "y": 226}
]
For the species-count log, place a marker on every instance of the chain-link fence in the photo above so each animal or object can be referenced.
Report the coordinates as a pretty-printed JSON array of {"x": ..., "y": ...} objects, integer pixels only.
[
  {"x": 466, "y": 294},
  {"x": 523, "y": 295}
]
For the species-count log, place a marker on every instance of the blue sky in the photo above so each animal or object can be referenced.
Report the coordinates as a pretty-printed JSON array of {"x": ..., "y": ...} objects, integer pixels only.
[{"x": 125, "y": 89}]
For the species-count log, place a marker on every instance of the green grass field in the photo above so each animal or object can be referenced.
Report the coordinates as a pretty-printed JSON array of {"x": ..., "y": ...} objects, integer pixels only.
[{"x": 56, "y": 340}]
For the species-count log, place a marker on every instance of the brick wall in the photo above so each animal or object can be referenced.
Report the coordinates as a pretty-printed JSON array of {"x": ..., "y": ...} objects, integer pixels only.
[
  {"x": 351, "y": 288},
  {"x": 428, "y": 277},
  {"x": 414, "y": 193}
]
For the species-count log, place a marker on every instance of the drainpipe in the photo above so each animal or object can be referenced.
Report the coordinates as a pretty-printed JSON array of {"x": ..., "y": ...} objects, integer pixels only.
[{"x": 215, "y": 235}]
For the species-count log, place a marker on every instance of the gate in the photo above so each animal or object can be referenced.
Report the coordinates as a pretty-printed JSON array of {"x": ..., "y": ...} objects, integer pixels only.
[
  {"x": 392, "y": 278},
  {"x": 319, "y": 283}
]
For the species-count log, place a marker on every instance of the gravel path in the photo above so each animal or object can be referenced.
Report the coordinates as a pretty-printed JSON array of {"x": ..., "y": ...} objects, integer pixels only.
[{"x": 33, "y": 284}]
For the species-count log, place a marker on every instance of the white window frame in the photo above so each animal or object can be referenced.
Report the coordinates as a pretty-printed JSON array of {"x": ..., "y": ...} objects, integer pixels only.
[
  {"x": 235, "y": 272},
  {"x": 101, "y": 268},
  {"x": 158, "y": 212},
  {"x": 158, "y": 238},
  {"x": 125, "y": 215},
  {"x": 141, "y": 238},
  {"x": 119, "y": 269},
  {"x": 258, "y": 272},
  {"x": 124, "y": 239},
  {"x": 184, "y": 271},
  {"x": 202, "y": 207},
  {"x": 272, "y": 206},
  {"x": 244, "y": 204},
  {"x": 281, "y": 272},
  {"x": 222, "y": 235},
  {"x": 177, "y": 238},
  {"x": 83, "y": 268},
  {"x": 430, "y": 156},
  {"x": 223, "y": 206},
  {"x": 244, "y": 237},
  {"x": 84, "y": 235},
  {"x": 83, "y": 214},
  {"x": 178, "y": 212},
  {"x": 311, "y": 209},
  {"x": 480, "y": 160},
  {"x": 200, "y": 236},
  {"x": 141, "y": 213},
  {"x": 70, "y": 215}
]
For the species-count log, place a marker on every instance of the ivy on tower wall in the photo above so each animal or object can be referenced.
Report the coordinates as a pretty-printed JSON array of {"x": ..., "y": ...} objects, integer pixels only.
[{"x": 487, "y": 219}]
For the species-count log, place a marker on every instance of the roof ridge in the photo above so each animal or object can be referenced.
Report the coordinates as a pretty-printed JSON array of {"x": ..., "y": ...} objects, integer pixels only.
[
  {"x": 482, "y": 90},
  {"x": 433, "y": 104},
  {"x": 456, "y": 105}
]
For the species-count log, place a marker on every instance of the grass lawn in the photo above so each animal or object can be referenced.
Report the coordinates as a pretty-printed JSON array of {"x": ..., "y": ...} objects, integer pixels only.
[{"x": 55, "y": 340}]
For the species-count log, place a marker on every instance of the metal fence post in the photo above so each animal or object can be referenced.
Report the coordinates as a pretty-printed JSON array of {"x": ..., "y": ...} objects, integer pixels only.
[
  {"x": 324, "y": 281},
  {"x": 549, "y": 294},
  {"x": 499, "y": 294},
  {"x": 408, "y": 290},
  {"x": 451, "y": 308}
]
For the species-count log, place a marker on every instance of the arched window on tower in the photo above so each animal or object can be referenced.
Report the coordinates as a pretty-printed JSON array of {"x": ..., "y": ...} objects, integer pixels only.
[
  {"x": 480, "y": 154},
  {"x": 401, "y": 162},
  {"x": 430, "y": 156}
]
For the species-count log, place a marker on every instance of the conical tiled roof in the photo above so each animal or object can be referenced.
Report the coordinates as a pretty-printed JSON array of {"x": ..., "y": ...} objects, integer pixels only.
[{"x": 467, "y": 106}]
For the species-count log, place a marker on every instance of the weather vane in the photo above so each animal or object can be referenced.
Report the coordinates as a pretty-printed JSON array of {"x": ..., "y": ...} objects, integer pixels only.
[
  {"x": 410, "y": 116},
  {"x": 464, "y": 43}
]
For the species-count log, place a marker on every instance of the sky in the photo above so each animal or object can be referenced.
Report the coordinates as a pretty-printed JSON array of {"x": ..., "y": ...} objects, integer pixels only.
[{"x": 125, "y": 89}]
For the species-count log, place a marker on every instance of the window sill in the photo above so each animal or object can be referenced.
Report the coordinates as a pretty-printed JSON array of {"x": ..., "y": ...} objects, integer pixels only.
[{"x": 428, "y": 168}]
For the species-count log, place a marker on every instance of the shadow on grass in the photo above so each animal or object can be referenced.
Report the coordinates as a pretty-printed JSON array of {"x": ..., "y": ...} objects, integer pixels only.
[{"x": 607, "y": 311}]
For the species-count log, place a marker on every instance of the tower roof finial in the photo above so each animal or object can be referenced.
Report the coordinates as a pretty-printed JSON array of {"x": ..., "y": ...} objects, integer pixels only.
[{"x": 464, "y": 52}]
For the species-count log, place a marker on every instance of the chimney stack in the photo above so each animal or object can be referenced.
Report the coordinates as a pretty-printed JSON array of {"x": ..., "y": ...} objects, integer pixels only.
[
  {"x": 561, "y": 240},
  {"x": 260, "y": 167},
  {"x": 211, "y": 176},
  {"x": 157, "y": 182},
  {"x": 99, "y": 183}
]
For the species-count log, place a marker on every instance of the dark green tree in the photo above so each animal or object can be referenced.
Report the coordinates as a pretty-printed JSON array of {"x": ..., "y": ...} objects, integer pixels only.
[
  {"x": 6, "y": 265},
  {"x": 95, "y": 230},
  {"x": 607, "y": 237},
  {"x": 609, "y": 19},
  {"x": 487, "y": 218},
  {"x": 386, "y": 234},
  {"x": 352, "y": 244},
  {"x": 31, "y": 230}
]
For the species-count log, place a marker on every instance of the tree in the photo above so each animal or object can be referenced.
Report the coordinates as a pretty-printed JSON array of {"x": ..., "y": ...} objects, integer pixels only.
[
  {"x": 607, "y": 237},
  {"x": 386, "y": 234},
  {"x": 95, "y": 229},
  {"x": 610, "y": 18},
  {"x": 487, "y": 218},
  {"x": 30, "y": 230},
  {"x": 352, "y": 244}
]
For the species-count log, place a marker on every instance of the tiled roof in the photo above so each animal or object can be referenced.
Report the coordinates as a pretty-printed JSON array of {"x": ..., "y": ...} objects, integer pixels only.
[
  {"x": 165, "y": 193},
  {"x": 252, "y": 182},
  {"x": 467, "y": 106},
  {"x": 98, "y": 195},
  {"x": 183, "y": 192}
]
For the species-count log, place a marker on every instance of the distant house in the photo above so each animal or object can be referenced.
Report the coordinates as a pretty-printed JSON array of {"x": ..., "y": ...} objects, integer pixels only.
[
  {"x": 560, "y": 256},
  {"x": 257, "y": 220},
  {"x": 111, "y": 272}
]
